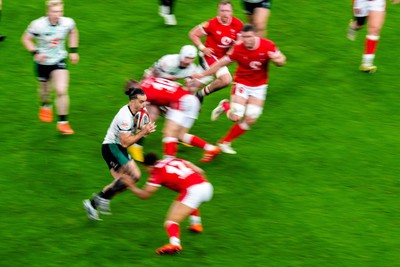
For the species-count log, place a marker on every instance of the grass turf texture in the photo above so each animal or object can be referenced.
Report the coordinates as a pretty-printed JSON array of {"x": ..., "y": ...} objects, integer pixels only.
[{"x": 314, "y": 183}]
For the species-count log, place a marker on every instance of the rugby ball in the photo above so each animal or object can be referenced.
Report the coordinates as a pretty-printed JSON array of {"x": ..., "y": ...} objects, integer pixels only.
[{"x": 140, "y": 119}]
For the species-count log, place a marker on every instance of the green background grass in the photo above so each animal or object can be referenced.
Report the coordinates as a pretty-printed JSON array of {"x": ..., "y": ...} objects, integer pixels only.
[{"x": 314, "y": 183}]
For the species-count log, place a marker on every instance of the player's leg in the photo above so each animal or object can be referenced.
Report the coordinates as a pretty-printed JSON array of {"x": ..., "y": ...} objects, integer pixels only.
[
  {"x": 170, "y": 135},
  {"x": 234, "y": 109},
  {"x": 375, "y": 22},
  {"x": 260, "y": 20},
  {"x": 195, "y": 221},
  {"x": 360, "y": 14},
  {"x": 42, "y": 73},
  {"x": 60, "y": 79},
  {"x": 176, "y": 214},
  {"x": 46, "y": 109},
  {"x": 245, "y": 113},
  {"x": 120, "y": 166},
  {"x": 184, "y": 206},
  {"x": 166, "y": 11},
  {"x": 2, "y": 37},
  {"x": 210, "y": 151},
  {"x": 224, "y": 78}
]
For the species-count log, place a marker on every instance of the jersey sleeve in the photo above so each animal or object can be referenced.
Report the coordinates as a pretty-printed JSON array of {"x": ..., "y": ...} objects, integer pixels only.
[
  {"x": 33, "y": 28},
  {"x": 164, "y": 66},
  {"x": 271, "y": 47},
  {"x": 154, "y": 179},
  {"x": 71, "y": 23},
  {"x": 124, "y": 124},
  {"x": 205, "y": 25}
]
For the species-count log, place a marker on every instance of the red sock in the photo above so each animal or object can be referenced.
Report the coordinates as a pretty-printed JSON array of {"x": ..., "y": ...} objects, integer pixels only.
[
  {"x": 173, "y": 229},
  {"x": 170, "y": 146},
  {"x": 196, "y": 212},
  {"x": 194, "y": 141},
  {"x": 235, "y": 131},
  {"x": 226, "y": 105},
  {"x": 371, "y": 43}
]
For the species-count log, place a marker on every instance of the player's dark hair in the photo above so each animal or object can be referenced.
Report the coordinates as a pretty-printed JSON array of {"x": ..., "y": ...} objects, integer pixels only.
[
  {"x": 248, "y": 28},
  {"x": 132, "y": 89},
  {"x": 150, "y": 159}
]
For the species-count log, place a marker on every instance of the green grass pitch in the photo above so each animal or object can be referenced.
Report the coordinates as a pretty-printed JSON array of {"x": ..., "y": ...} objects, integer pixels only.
[{"x": 314, "y": 183}]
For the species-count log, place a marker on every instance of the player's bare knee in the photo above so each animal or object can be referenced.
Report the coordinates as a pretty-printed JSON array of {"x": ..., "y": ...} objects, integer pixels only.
[
  {"x": 225, "y": 80},
  {"x": 249, "y": 121}
]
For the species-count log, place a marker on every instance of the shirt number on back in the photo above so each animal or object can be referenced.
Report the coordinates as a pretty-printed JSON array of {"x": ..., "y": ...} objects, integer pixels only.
[{"x": 178, "y": 168}]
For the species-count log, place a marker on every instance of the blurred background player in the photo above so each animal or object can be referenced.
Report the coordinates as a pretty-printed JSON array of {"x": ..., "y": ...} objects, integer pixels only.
[
  {"x": 2, "y": 37},
  {"x": 372, "y": 13},
  {"x": 178, "y": 66},
  {"x": 120, "y": 135},
  {"x": 250, "y": 83},
  {"x": 258, "y": 12},
  {"x": 192, "y": 186},
  {"x": 182, "y": 111},
  {"x": 221, "y": 33},
  {"x": 49, "y": 55},
  {"x": 166, "y": 11}
]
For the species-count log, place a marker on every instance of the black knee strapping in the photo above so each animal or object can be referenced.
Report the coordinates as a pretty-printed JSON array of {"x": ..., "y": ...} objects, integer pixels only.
[{"x": 361, "y": 20}]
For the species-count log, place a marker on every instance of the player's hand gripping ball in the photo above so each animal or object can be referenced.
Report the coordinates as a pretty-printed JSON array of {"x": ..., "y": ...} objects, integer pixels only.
[{"x": 140, "y": 119}]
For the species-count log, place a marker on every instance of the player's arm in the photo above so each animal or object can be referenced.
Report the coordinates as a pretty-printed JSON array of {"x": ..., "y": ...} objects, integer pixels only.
[
  {"x": 213, "y": 68},
  {"x": 127, "y": 139},
  {"x": 146, "y": 192},
  {"x": 277, "y": 57},
  {"x": 27, "y": 40},
  {"x": 195, "y": 35},
  {"x": 73, "y": 45}
]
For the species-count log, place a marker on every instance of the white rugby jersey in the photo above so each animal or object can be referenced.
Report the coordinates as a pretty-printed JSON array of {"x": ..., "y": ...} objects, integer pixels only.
[
  {"x": 168, "y": 66},
  {"x": 123, "y": 122},
  {"x": 51, "y": 38}
]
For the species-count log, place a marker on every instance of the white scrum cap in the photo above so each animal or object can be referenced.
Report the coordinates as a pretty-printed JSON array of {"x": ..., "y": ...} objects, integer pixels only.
[{"x": 187, "y": 51}]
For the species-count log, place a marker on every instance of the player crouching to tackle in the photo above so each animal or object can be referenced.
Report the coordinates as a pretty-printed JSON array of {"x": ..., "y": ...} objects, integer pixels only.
[
  {"x": 192, "y": 186},
  {"x": 121, "y": 134}
]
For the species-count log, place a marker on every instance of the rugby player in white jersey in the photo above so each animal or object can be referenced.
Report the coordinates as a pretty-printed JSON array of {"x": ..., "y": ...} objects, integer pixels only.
[
  {"x": 45, "y": 38},
  {"x": 178, "y": 66},
  {"x": 121, "y": 134}
]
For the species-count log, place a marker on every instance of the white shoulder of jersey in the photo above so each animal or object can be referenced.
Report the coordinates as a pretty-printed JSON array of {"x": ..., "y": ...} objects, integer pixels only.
[
  {"x": 68, "y": 22},
  {"x": 169, "y": 61}
]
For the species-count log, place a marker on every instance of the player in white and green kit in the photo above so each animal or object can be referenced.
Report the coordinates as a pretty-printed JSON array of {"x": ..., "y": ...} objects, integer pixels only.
[
  {"x": 120, "y": 135},
  {"x": 45, "y": 38}
]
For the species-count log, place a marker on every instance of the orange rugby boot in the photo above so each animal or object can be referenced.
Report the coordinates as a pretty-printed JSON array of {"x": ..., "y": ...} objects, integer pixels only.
[
  {"x": 46, "y": 114},
  {"x": 209, "y": 155},
  {"x": 196, "y": 228},
  {"x": 169, "y": 249},
  {"x": 64, "y": 128}
]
